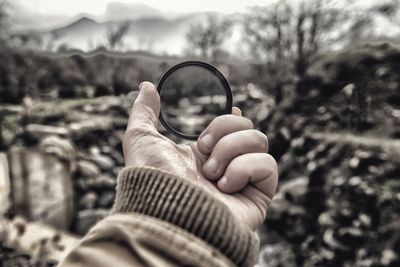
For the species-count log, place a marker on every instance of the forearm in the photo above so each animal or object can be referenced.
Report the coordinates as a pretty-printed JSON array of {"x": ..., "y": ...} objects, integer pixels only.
[
  {"x": 137, "y": 240},
  {"x": 161, "y": 220}
]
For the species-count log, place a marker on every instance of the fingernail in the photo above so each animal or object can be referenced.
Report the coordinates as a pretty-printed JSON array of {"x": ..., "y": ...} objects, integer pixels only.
[
  {"x": 207, "y": 141},
  {"x": 141, "y": 85},
  {"x": 212, "y": 165},
  {"x": 222, "y": 182}
]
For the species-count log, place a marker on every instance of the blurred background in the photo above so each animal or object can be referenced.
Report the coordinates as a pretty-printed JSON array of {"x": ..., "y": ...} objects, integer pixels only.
[{"x": 320, "y": 78}]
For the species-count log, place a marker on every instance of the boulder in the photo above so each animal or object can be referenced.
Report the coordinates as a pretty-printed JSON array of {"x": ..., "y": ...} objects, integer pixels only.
[
  {"x": 276, "y": 255},
  {"x": 42, "y": 187},
  {"x": 87, "y": 218},
  {"x": 88, "y": 201},
  {"x": 38, "y": 131},
  {"x": 88, "y": 169},
  {"x": 106, "y": 199}
]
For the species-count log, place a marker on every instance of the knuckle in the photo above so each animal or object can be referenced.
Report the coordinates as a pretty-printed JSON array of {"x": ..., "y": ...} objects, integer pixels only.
[
  {"x": 260, "y": 139},
  {"x": 223, "y": 150},
  {"x": 233, "y": 119},
  {"x": 217, "y": 123},
  {"x": 229, "y": 121},
  {"x": 225, "y": 143},
  {"x": 248, "y": 122},
  {"x": 223, "y": 119},
  {"x": 238, "y": 168},
  {"x": 272, "y": 165}
]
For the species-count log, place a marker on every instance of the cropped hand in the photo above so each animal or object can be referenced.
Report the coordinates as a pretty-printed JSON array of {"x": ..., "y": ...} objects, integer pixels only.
[{"x": 229, "y": 160}]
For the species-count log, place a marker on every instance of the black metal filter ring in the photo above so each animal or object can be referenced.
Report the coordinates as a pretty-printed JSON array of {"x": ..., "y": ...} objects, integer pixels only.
[{"x": 210, "y": 68}]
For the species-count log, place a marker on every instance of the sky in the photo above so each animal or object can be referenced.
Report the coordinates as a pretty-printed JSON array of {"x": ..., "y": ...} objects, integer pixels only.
[
  {"x": 73, "y": 7},
  {"x": 50, "y": 14}
]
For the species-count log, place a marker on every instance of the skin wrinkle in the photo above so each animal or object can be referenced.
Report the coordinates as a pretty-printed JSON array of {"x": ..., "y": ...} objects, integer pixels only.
[
  {"x": 179, "y": 187},
  {"x": 144, "y": 146}
]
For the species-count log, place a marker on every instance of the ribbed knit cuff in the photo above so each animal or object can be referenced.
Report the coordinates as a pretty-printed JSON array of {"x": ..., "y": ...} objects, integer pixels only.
[{"x": 164, "y": 196}]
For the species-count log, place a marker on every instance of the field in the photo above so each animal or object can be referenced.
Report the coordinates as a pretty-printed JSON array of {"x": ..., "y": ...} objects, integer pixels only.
[{"x": 335, "y": 134}]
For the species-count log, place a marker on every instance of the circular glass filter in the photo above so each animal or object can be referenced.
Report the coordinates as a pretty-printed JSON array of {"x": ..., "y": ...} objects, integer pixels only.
[{"x": 192, "y": 94}]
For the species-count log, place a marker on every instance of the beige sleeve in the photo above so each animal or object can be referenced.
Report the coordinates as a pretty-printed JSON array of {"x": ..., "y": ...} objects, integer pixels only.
[
  {"x": 124, "y": 240},
  {"x": 162, "y": 220}
]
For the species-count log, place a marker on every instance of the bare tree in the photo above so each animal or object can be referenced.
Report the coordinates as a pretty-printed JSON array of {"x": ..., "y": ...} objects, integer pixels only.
[
  {"x": 206, "y": 39},
  {"x": 389, "y": 9},
  {"x": 288, "y": 38},
  {"x": 4, "y": 23},
  {"x": 116, "y": 35}
]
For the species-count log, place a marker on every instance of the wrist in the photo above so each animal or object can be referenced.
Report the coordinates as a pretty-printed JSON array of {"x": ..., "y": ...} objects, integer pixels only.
[{"x": 161, "y": 195}]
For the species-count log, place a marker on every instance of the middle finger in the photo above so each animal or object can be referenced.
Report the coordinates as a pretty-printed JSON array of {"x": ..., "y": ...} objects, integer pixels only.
[{"x": 231, "y": 146}]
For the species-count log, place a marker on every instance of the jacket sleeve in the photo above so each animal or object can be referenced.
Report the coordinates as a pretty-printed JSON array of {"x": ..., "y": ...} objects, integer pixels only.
[{"x": 162, "y": 220}]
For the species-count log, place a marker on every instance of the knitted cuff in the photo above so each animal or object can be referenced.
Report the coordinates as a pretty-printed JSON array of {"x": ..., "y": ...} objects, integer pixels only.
[{"x": 164, "y": 196}]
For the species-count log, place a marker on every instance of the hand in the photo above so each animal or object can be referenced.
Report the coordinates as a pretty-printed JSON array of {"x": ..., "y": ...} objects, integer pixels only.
[{"x": 229, "y": 160}]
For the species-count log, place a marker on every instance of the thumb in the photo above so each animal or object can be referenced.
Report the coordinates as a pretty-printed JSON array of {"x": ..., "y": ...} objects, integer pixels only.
[{"x": 146, "y": 108}]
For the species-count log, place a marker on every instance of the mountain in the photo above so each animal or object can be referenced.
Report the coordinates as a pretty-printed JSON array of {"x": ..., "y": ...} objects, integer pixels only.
[
  {"x": 128, "y": 11},
  {"x": 149, "y": 28},
  {"x": 156, "y": 34},
  {"x": 83, "y": 24}
]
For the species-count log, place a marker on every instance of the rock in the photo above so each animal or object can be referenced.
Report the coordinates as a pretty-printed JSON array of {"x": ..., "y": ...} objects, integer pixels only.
[
  {"x": 276, "y": 255},
  {"x": 10, "y": 121},
  {"x": 105, "y": 182},
  {"x": 326, "y": 220},
  {"x": 106, "y": 149},
  {"x": 88, "y": 201},
  {"x": 118, "y": 157},
  {"x": 101, "y": 182},
  {"x": 363, "y": 221},
  {"x": 296, "y": 225},
  {"x": 332, "y": 242},
  {"x": 5, "y": 185},
  {"x": 106, "y": 199},
  {"x": 263, "y": 113},
  {"x": 87, "y": 218},
  {"x": 390, "y": 258},
  {"x": 103, "y": 90},
  {"x": 348, "y": 89},
  {"x": 112, "y": 104},
  {"x": 280, "y": 143},
  {"x": 94, "y": 150},
  {"x": 105, "y": 163},
  {"x": 89, "y": 91},
  {"x": 355, "y": 181},
  {"x": 351, "y": 236},
  {"x": 88, "y": 169},
  {"x": 394, "y": 100},
  {"x": 286, "y": 166},
  {"x": 317, "y": 174},
  {"x": 88, "y": 108},
  {"x": 295, "y": 190},
  {"x": 302, "y": 145},
  {"x": 42, "y": 187},
  {"x": 38, "y": 131},
  {"x": 343, "y": 214},
  {"x": 362, "y": 160},
  {"x": 60, "y": 147},
  {"x": 86, "y": 127}
]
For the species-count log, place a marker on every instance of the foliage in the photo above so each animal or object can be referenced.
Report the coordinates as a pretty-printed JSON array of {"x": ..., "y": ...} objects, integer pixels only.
[
  {"x": 4, "y": 23},
  {"x": 116, "y": 35},
  {"x": 206, "y": 39},
  {"x": 27, "y": 73},
  {"x": 389, "y": 9},
  {"x": 289, "y": 37}
]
